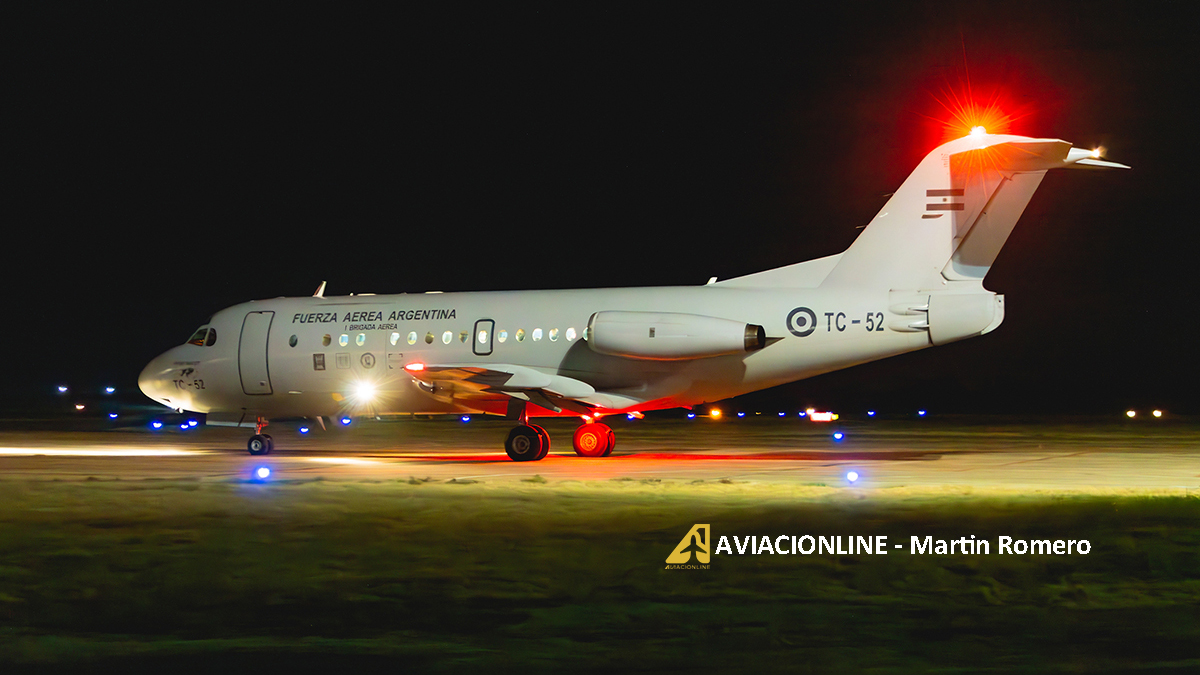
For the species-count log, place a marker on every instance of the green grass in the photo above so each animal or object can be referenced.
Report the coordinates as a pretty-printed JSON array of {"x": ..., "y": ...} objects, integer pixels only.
[{"x": 541, "y": 575}]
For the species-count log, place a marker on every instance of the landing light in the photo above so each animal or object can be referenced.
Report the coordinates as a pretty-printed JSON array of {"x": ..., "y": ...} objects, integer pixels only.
[
  {"x": 852, "y": 476},
  {"x": 978, "y": 131},
  {"x": 364, "y": 392}
]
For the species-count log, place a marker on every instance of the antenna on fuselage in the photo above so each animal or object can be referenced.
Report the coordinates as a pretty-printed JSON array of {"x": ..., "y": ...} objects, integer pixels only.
[{"x": 320, "y": 291}]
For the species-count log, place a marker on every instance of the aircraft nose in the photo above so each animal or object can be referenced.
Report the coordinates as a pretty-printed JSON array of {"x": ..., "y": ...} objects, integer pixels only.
[{"x": 154, "y": 378}]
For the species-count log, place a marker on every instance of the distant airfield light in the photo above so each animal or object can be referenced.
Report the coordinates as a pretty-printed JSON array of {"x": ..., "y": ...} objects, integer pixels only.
[
  {"x": 345, "y": 421},
  {"x": 262, "y": 473},
  {"x": 837, "y": 435},
  {"x": 715, "y": 413},
  {"x": 156, "y": 424},
  {"x": 741, "y": 414},
  {"x": 852, "y": 476},
  {"x": 466, "y": 418},
  {"x": 782, "y": 414},
  {"x": 1157, "y": 413},
  {"x": 62, "y": 389},
  {"x": 79, "y": 406},
  {"x": 304, "y": 430},
  {"x": 921, "y": 413},
  {"x": 819, "y": 416},
  {"x": 1131, "y": 414},
  {"x": 870, "y": 413},
  {"x": 112, "y": 416},
  {"x": 109, "y": 390}
]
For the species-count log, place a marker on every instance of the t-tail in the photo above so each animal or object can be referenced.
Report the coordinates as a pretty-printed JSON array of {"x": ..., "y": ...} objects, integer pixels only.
[{"x": 934, "y": 241}]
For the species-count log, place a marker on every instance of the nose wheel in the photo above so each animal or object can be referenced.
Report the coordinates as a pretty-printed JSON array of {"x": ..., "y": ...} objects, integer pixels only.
[
  {"x": 260, "y": 444},
  {"x": 594, "y": 440},
  {"x": 527, "y": 443}
]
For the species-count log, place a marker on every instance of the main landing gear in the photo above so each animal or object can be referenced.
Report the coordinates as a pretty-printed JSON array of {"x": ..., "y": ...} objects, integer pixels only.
[
  {"x": 260, "y": 443},
  {"x": 529, "y": 443}
]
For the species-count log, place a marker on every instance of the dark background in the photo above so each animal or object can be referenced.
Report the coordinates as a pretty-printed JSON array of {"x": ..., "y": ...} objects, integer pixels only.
[{"x": 161, "y": 164}]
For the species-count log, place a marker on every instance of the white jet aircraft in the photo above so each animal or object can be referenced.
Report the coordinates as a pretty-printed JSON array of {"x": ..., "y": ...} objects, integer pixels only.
[{"x": 913, "y": 278}]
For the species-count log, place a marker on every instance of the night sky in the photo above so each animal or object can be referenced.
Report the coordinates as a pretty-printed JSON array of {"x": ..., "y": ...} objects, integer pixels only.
[{"x": 162, "y": 164}]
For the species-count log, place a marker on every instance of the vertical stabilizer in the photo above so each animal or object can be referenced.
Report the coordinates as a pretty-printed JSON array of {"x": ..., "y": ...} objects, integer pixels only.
[{"x": 950, "y": 218}]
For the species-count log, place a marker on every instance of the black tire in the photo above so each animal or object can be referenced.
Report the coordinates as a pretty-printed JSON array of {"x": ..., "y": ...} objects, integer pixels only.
[
  {"x": 525, "y": 444},
  {"x": 545, "y": 441},
  {"x": 612, "y": 441},
  {"x": 259, "y": 445},
  {"x": 270, "y": 443}
]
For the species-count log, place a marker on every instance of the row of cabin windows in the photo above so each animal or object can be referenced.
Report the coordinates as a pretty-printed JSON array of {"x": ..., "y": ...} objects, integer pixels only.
[{"x": 447, "y": 337}]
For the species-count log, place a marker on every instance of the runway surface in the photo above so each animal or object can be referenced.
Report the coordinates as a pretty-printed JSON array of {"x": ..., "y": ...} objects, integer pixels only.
[{"x": 1083, "y": 455}]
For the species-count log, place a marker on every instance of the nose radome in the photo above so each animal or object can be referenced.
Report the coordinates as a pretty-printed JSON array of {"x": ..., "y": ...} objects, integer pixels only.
[{"x": 151, "y": 381}]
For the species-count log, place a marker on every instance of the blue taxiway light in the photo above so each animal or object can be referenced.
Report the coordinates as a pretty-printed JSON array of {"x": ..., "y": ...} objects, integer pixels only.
[
  {"x": 920, "y": 413},
  {"x": 782, "y": 414},
  {"x": 262, "y": 473},
  {"x": 184, "y": 426},
  {"x": 62, "y": 389},
  {"x": 741, "y": 414},
  {"x": 870, "y": 413},
  {"x": 304, "y": 430},
  {"x": 109, "y": 390},
  {"x": 192, "y": 423},
  {"x": 852, "y": 476},
  {"x": 112, "y": 416},
  {"x": 466, "y": 418},
  {"x": 156, "y": 424},
  {"x": 691, "y": 416},
  {"x": 804, "y": 413},
  {"x": 345, "y": 421},
  {"x": 837, "y": 435}
]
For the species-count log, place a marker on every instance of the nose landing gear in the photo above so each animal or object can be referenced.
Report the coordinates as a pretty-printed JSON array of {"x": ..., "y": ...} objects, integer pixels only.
[{"x": 260, "y": 443}]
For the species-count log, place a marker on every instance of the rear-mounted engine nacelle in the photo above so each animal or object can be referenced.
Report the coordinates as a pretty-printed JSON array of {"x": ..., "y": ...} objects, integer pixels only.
[{"x": 665, "y": 336}]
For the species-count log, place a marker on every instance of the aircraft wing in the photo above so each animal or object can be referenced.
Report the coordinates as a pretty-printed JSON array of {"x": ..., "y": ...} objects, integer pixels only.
[{"x": 464, "y": 382}]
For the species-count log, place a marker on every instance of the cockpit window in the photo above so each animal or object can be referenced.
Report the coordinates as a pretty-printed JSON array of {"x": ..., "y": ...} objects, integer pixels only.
[
  {"x": 198, "y": 337},
  {"x": 203, "y": 337}
]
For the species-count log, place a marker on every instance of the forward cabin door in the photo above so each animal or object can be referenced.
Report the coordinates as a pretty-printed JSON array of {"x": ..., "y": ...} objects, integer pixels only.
[
  {"x": 481, "y": 341},
  {"x": 252, "y": 353}
]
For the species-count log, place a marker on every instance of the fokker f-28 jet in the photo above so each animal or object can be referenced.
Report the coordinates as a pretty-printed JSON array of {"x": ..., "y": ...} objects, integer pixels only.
[{"x": 912, "y": 279}]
